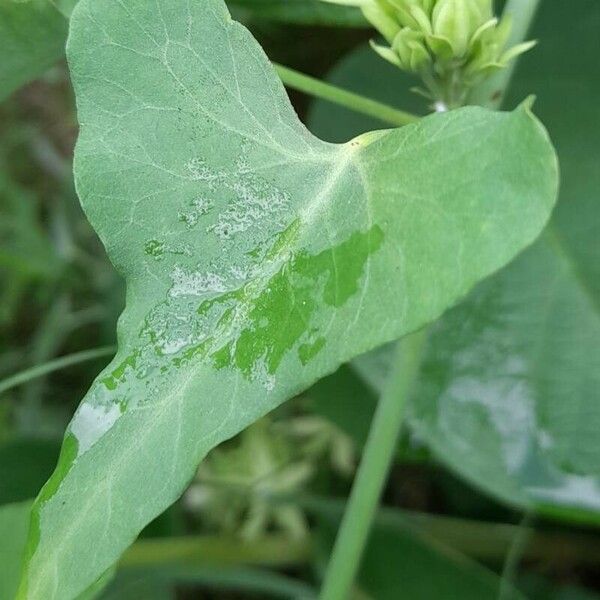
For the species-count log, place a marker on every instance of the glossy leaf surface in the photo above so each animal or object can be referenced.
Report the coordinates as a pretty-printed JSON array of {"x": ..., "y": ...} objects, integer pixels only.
[
  {"x": 258, "y": 258},
  {"x": 32, "y": 38},
  {"x": 510, "y": 393}
]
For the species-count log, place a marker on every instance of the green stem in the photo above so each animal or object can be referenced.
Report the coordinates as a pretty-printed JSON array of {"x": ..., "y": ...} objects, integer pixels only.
[
  {"x": 373, "y": 470},
  {"x": 513, "y": 557},
  {"x": 54, "y": 365},
  {"x": 320, "y": 89},
  {"x": 492, "y": 91}
]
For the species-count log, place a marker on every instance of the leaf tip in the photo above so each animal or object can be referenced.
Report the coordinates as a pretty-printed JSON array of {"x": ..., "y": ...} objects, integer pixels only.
[{"x": 528, "y": 103}]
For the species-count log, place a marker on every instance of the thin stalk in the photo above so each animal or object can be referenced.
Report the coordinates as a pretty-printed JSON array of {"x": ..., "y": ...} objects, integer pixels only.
[
  {"x": 54, "y": 365},
  {"x": 513, "y": 557},
  {"x": 373, "y": 470},
  {"x": 326, "y": 91},
  {"x": 492, "y": 91}
]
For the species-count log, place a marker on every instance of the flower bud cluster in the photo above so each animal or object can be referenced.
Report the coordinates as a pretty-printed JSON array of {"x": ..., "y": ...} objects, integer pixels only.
[{"x": 452, "y": 44}]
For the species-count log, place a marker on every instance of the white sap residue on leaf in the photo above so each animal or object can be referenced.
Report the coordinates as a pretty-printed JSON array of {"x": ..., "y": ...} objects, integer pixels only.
[
  {"x": 584, "y": 491},
  {"x": 92, "y": 422},
  {"x": 199, "y": 171},
  {"x": 242, "y": 273},
  {"x": 196, "y": 283},
  {"x": 545, "y": 439},
  {"x": 199, "y": 207},
  {"x": 513, "y": 417},
  {"x": 261, "y": 375},
  {"x": 175, "y": 344},
  {"x": 242, "y": 166},
  {"x": 256, "y": 203}
]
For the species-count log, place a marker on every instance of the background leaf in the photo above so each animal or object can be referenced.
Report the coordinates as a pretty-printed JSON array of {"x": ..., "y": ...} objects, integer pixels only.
[
  {"x": 402, "y": 562},
  {"x": 32, "y": 34},
  {"x": 537, "y": 411},
  {"x": 305, "y": 12},
  {"x": 510, "y": 394},
  {"x": 258, "y": 258}
]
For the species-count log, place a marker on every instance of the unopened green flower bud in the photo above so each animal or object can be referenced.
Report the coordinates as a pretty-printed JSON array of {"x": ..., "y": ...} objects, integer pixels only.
[
  {"x": 427, "y": 6},
  {"x": 516, "y": 51},
  {"x": 387, "y": 54},
  {"x": 483, "y": 9},
  {"x": 410, "y": 48},
  {"x": 381, "y": 19},
  {"x": 401, "y": 11},
  {"x": 456, "y": 21},
  {"x": 415, "y": 14},
  {"x": 452, "y": 44}
]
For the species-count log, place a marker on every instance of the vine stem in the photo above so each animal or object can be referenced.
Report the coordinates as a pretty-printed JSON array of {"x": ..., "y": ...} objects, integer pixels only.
[
  {"x": 373, "y": 470},
  {"x": 326, "y": 91},
  {"x": 54, "y": 365},
  {"x": 492, "y": 91}
]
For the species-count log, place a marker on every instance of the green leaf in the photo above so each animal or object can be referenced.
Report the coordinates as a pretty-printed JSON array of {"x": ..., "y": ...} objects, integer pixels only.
[
  {"x": 509, "y": 396},
  {"x": 577, "y": 219},
  {"x": 258, "y": 258},
  {"x": 401, "y": 561},
  {"x": 14, "y": 523},
  {"x": 534, "y": 416},
  {"x": 422, "y": 568},
  {"x": 303, "y": 12},
  {"x": 33, "y": 32},
  {"x": 32, "y": 39},
  {"x": 513, "y": 373},
  {"x": 349, "y": 401},
  {"x": 14, "y": 526}
]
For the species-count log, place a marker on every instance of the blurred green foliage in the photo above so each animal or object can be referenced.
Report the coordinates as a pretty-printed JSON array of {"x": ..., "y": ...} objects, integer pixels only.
[{"x": 59, "y": 294}]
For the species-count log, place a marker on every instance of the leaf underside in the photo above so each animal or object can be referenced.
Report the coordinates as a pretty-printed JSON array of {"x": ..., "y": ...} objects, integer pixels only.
[{"x": 257, "y": 257}]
